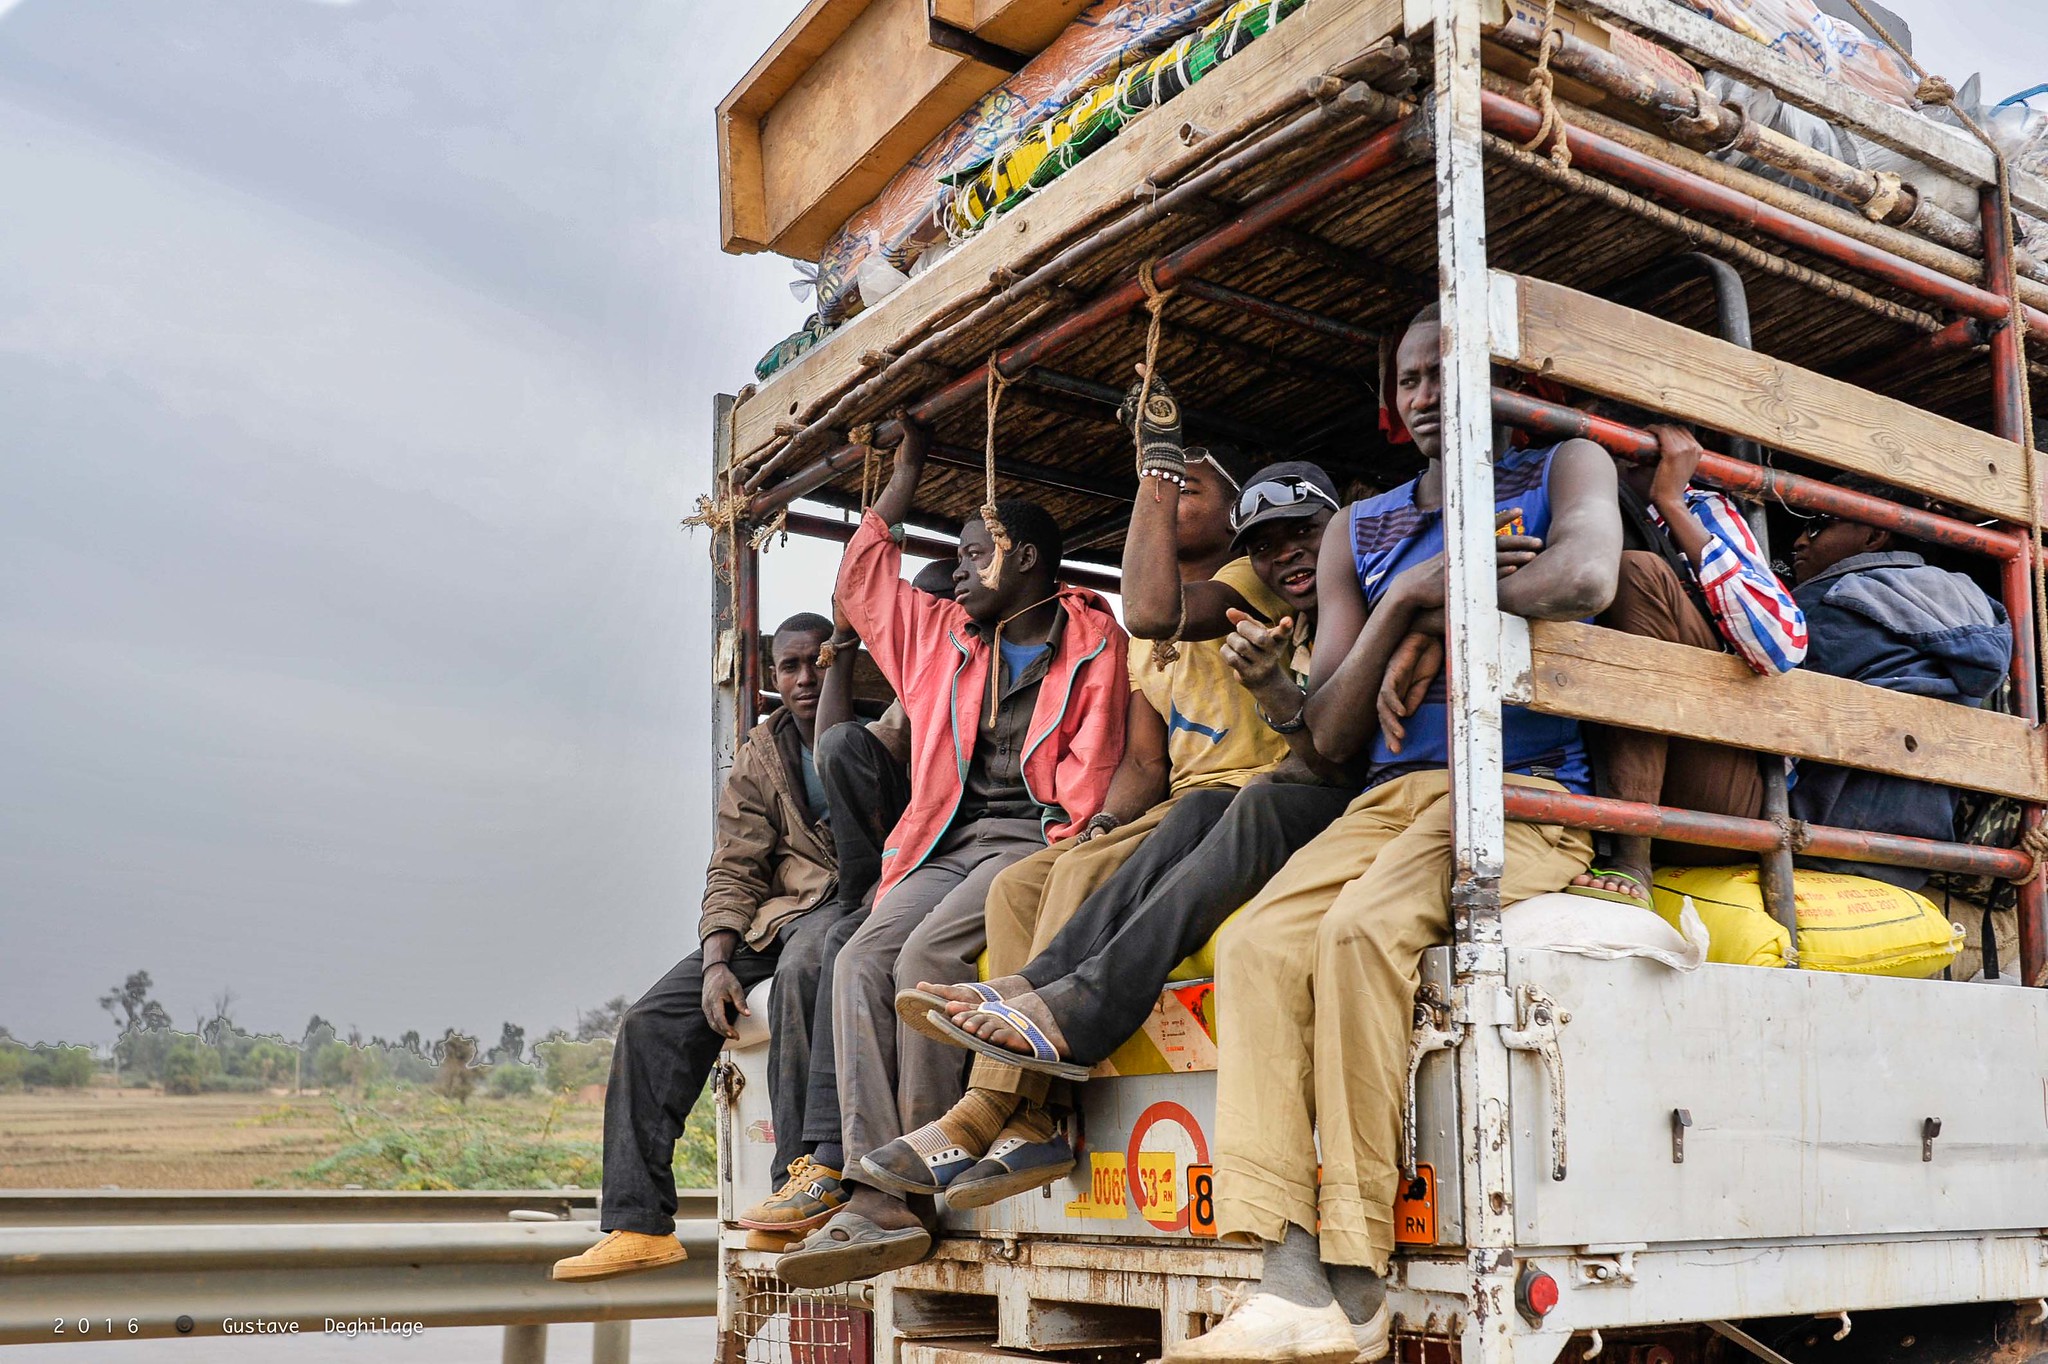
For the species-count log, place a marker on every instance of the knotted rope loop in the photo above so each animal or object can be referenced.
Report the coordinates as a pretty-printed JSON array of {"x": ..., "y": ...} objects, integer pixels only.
[
  {"x": 1542, "y": 91},
  {"x": 997, "y": 531}
]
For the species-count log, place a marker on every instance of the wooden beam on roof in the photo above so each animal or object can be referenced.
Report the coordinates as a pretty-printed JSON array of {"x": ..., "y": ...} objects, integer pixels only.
[
  {"x": 1590, "y": 673},
  {"x": 1620, "y": 353}
]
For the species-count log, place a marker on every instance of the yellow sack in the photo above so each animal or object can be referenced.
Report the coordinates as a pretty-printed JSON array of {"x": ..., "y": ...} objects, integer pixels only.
[{"x": 1846, "y": 923}]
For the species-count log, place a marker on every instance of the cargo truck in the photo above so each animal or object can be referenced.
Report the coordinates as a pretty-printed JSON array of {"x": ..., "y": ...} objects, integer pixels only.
[{"x": 1604, "y": 1159}]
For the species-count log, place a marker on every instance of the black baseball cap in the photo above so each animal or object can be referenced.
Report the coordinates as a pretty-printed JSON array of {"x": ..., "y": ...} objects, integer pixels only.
[{"x": 1285, "y": 491}]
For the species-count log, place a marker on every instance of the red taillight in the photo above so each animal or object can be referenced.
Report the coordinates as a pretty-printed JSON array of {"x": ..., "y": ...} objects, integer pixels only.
[{"x": 1535, "y": 1294}]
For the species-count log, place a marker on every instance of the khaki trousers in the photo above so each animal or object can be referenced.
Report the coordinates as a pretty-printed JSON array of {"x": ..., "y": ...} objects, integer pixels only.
[
  {"x": 1343, "y": 925},
  {"x": 1032, "y": 900}
]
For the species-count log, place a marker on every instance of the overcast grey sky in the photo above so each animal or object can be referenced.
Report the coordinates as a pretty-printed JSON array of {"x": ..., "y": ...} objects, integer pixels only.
[{"x": 355, "y": 367}]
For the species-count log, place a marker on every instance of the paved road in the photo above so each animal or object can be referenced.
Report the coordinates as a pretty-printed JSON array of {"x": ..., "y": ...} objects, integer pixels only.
[{"x": 673, "y": 1341}]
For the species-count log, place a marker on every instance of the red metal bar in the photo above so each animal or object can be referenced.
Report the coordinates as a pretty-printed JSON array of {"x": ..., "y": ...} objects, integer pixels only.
[
  {"x": 1538, "y": 805},
  {"x": 1368, "y": 158},
  {"x": 1594, "y": 153},
  {"x": 2009, "y": 417},
  {"x": 930, "y": 547},
  {"x": 1559, "y": 422}
]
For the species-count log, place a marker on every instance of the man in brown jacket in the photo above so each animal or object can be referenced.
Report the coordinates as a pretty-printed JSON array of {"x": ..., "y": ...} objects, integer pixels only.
[{"x": 772, "y": 864}]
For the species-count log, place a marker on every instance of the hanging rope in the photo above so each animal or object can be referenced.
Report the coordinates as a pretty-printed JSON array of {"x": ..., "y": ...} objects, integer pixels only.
[
  {"x": 1155, "y": 304},
  {"x": 1934, "y": 90},
  {"x": 870, "y": 484},
  {"x": 997, "y": 531},
  {"x": 1542, "y": 91}
]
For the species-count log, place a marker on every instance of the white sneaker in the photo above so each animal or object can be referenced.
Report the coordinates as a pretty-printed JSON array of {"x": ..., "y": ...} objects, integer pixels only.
[
  {"x": 1374, "y": 1338},
  {"x": 1267, "y": 1329}
]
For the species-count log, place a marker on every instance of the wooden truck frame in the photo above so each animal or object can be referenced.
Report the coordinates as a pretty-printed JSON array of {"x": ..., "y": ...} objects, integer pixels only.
[{"x": 1777, "y": 1164}]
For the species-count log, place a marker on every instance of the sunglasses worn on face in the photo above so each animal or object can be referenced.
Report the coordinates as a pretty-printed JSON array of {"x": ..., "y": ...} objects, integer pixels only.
[{"x": 1277, "y": 492}]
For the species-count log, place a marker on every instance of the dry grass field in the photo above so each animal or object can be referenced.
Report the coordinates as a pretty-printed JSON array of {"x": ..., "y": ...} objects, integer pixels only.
[{"x": 142, "y": 1139}]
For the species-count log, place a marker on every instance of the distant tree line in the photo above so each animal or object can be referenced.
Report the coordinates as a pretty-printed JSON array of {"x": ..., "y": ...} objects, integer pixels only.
[{"x": 219, "y": 1055}]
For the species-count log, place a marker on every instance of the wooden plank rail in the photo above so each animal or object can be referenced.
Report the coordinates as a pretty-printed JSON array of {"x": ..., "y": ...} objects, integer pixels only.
[
  {"x": 1631, "y": 356},
  {"x": 1591, "y": 673}
]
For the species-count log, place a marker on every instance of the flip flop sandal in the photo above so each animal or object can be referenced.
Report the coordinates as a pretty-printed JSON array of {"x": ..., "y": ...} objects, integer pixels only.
[
  {"x": 922, "y": 1162},
  {"x": 851, "y": 1247},
  {"x": 1617, "y": 897},
  {"x": 913, "y": 1005},
  {"x": 1043, "y": 1060},
  {"x": 1014, "y": 1165}
]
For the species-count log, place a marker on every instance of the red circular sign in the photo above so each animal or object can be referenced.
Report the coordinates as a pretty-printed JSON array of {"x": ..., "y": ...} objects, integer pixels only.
[{"x": 1164, "y": 1111}]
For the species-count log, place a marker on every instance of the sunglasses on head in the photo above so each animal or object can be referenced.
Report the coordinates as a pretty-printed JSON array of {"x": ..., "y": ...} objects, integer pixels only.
[
  {"x": 1201, "y": 454},
  {"x": 1290, "y": 491}
]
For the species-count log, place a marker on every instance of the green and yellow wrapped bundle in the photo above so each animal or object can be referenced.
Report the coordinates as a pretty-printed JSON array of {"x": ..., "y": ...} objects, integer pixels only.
[{"x": 1047, "y": 149}]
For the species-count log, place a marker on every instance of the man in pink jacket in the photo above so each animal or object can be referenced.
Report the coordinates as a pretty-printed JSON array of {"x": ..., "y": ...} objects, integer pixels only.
[{"x": 1016, "y": 694}]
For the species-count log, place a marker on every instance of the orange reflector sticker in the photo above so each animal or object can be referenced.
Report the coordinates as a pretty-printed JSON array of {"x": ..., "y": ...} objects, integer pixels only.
[
  {"x": 1415, "y": 1210},
  {"x": 1201, "y": 1200}
]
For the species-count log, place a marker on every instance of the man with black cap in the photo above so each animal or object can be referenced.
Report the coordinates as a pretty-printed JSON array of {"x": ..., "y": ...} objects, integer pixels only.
[{"x": 1091, "y": 983}]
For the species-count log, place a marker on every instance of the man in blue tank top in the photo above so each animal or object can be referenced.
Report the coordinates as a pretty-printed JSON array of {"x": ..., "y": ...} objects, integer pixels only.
[{"x": 1316, "y": 979}]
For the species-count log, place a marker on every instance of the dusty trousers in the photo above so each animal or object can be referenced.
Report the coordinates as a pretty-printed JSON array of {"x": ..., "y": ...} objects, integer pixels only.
[
  {"x": 929, "y": 926},
  {"x": 1657, "y": 769},
  {"x": 1315, "y": 996}
]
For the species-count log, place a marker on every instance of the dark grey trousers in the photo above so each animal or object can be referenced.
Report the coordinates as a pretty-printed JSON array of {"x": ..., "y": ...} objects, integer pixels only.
[
  {"x": 1101, "y": 974},
  {"x": 665, "y": 1051},
  {"x": 868, "y": 790}
]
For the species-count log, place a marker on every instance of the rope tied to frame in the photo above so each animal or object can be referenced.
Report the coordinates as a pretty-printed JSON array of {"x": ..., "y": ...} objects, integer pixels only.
[
  {"x": 1542, "y": 92},
  {"x": 1934, "y": 89},
  {"x": 997, "y": 531}
]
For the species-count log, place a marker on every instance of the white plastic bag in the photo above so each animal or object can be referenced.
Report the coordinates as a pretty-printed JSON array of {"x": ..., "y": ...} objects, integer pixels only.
[{"x": 1605, "y": 930}]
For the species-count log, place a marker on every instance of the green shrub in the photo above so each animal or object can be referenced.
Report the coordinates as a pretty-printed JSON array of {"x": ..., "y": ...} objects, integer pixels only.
[
  {"x": 190, "y": 1066},
  {"x": 13, "y": 1061},
  {"x": 511, "y": 1079},
  {"x": 572, "y": 1065}
]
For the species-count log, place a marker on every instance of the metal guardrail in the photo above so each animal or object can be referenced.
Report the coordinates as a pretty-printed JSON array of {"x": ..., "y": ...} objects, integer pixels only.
[
  {"x": 187, "y": 1207},
  {"x": 353, "y": 1262}
]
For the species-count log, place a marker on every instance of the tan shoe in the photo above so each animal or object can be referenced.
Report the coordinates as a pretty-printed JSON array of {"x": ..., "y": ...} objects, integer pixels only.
[
  {"x": 622, "y": 1252},
  {"x": 806, "y": 1200}
]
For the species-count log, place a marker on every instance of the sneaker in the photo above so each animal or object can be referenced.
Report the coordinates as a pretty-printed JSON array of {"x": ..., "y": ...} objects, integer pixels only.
[
  {"x": 1016, "y": 1164},
  {"x": 1267, "y": 1329},
  {"x": 807, "y": 1199},
  {"x": 924, "y": 1162},
  {"x": 621, "y": 1252},
  {"x": 1373, "y": 1336}
]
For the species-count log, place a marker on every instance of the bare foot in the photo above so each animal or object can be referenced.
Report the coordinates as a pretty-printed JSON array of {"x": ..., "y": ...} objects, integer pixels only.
[
  {"x": 961, "y": 998},
  {"x": 1633, "y": 882},
  {"x": 992, "y": 1029}
]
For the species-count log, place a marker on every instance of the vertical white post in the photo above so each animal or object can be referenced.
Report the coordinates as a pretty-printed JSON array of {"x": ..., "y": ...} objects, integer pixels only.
[
  {"x": 1473, "y": 646},
  {"x": 525, "y": 1344},
  {"x": 611, "y": 1342},
  {"x": 727, "y": 673}
]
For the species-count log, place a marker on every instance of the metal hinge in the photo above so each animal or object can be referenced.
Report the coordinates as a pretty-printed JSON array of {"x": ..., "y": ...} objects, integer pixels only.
[{"x": 1537, "y": 1019}]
